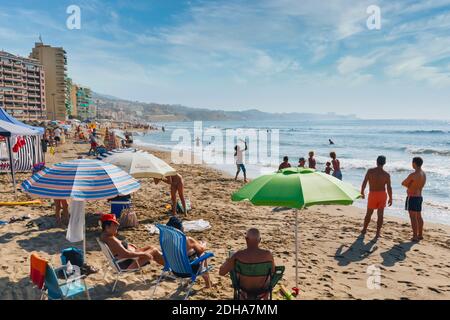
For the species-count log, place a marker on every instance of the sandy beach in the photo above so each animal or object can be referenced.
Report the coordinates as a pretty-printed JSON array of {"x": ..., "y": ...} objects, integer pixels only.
[{"x": 333, "y": 258}]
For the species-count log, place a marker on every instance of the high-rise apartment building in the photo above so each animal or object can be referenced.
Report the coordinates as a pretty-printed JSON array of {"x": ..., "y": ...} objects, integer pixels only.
[
  {"x": 22, "y": 87},
  {"x": 73, "y": 100},
  {"x": 54, "y": 62},
  {"x": 84, "y": 103}
]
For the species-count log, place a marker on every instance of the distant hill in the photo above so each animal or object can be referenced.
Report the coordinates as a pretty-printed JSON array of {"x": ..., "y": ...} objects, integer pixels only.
[{"x": 154, "y": 112}]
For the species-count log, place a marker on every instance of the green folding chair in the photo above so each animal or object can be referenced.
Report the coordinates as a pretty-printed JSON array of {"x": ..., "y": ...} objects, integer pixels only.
[{"x": 263, "y": 269}]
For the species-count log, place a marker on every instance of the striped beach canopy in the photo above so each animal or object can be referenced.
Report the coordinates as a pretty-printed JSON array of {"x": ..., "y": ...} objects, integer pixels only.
[{"x": 81, "y": 179}]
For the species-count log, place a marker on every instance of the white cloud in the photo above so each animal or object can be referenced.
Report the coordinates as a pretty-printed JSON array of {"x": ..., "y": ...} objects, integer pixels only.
[{"x": 351, "y": 64}]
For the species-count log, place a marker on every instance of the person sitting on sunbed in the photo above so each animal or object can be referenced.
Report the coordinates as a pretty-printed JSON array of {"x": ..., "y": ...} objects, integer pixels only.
[
  {"x": 250, "y": 286},
  {"x": 195, "y": 249},
  {"x": 124, "y": 250}
]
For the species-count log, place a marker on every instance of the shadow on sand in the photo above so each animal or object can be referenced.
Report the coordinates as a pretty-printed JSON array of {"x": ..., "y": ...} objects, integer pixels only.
[
  {"x": 357, "y": 251},
  {"x": 396, "y": 254}
]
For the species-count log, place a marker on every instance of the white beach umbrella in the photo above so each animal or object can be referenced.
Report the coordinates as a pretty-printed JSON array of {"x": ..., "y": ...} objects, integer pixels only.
[{"x": 140, "y": 164}]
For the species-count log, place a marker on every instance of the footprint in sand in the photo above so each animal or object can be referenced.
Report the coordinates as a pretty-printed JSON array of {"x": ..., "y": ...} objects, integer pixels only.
[{"x": 434, "y": 290}]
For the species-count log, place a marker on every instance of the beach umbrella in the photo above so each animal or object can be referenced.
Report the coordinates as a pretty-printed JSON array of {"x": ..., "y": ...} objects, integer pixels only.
[
  {"x": 140, "y": 164},
  {"x": 81, "y": 180},
  {"x": 297, "y": 188}
]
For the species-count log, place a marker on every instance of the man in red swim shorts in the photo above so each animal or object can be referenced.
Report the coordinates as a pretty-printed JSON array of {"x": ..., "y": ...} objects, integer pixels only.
[{"x": 380, "y": 182}]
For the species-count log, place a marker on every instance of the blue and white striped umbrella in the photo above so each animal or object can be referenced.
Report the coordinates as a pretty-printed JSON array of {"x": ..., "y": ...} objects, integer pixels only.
[{"x": 81, "y": 179}]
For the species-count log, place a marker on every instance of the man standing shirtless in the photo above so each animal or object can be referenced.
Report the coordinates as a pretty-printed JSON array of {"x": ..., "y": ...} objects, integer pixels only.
[
  {"x": 415, "y": 183},
  {"x": 176, "y": 185},
  {"x": 379, "y": 180}
]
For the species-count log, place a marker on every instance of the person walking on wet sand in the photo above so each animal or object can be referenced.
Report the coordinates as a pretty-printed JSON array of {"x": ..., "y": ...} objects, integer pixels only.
[
  {"x": 415, "y": 183},
  {"x": 380, "y": 182},
  {"x": 176, "y": 185}
]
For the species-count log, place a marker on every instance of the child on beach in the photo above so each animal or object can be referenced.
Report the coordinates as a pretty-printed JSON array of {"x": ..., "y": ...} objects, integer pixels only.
[
  {"x": 311, "y": 160},
  {"x": 336, "y": 166},
  {"x": 285, "y": 164},
  {"x": 328, "y": 168},
  {"x": 301, "y": 162}
]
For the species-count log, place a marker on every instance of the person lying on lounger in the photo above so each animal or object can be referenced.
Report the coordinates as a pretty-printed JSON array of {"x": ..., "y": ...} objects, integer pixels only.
[
  {"x": 194, "y": 249},
  {"x": 252, "y": 255},
  {"x": 124, "y": 250}
]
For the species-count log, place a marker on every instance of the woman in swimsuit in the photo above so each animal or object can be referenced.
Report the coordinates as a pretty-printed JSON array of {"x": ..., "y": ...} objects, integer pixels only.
[
  {"x": 124, "y": 250},
  {"x": 176, "y": 185},
  {"x": 194, "y": 249},
  {"x": 336, "y": 166}
]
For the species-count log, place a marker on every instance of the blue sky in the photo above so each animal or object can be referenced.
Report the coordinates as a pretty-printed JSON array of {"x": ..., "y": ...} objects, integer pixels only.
[{"x": 273, "y": 55}]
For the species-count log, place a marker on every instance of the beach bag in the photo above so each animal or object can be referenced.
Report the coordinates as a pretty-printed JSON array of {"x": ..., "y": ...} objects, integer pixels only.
[
  {"x": 128, "y": 218},
  {"x": 72, "y": 255},
  {"x": 180, "y": 205}
]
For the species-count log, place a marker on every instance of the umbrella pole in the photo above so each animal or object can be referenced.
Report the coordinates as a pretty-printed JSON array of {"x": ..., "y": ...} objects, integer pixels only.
[
  {"x": 84, "y": 245},
  {"x": 296, "y": 248}
]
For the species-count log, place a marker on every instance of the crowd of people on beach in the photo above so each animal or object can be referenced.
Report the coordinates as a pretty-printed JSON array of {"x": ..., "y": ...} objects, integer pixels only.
[
  {"x": 130, "y": 256},
  {"x": 333, "y": 165}
]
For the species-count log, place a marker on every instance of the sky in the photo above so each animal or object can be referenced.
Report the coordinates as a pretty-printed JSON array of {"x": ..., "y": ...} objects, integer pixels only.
[{"x": 272, "y": 55}]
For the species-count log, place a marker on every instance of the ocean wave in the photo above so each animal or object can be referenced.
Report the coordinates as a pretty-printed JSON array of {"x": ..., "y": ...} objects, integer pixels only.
[
  {"x": 439, "y": 152},
  {"x": 424, "y": 132}
]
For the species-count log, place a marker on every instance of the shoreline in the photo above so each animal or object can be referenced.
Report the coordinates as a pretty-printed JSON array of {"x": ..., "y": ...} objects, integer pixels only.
[
  {"x": 333, "y": 259},
  {"x": 396, "y": 212}
]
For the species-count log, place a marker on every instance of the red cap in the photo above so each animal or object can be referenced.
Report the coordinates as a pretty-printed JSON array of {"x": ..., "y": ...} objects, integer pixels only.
[{"x": 109, "y": 217}]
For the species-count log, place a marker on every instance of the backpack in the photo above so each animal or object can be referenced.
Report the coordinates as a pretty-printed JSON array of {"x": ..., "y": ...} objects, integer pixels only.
[{"x": 74, "y": 255}]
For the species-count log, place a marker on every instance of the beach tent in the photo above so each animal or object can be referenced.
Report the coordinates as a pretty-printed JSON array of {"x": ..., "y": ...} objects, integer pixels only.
[
  {"x": 31, "y": 153},
  {"x": 8, "y": 118},
  {"x": 9, "y": 131},
  {"x": 297, "y": 188}
]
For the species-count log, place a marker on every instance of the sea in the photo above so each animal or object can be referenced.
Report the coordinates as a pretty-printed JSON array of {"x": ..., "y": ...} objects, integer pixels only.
[{"x": 357, "y": 143}]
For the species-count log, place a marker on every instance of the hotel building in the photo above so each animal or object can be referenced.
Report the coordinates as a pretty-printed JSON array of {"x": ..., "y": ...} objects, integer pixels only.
[
  {"x": 22, "y": 87},
  {"x": 54, "y": 61}
]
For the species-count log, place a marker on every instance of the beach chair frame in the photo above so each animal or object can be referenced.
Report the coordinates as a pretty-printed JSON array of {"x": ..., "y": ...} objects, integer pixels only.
[
  {"x": 113, "y": 263},
  {"x": 273, "y": 278},
  {"x": 176, "y": 261},
  {"x": 51, "y": 272},
  {"x": 67, "y": 281}
]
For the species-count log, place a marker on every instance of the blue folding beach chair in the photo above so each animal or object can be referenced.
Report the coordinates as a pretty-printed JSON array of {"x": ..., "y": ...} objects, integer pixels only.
[
  {"x": 68, "y": 289},
  {"x": 173, "y": 246}
]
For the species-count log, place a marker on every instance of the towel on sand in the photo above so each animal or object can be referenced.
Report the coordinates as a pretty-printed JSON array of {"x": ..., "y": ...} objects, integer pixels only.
[{"x": 189, "y": 226}]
